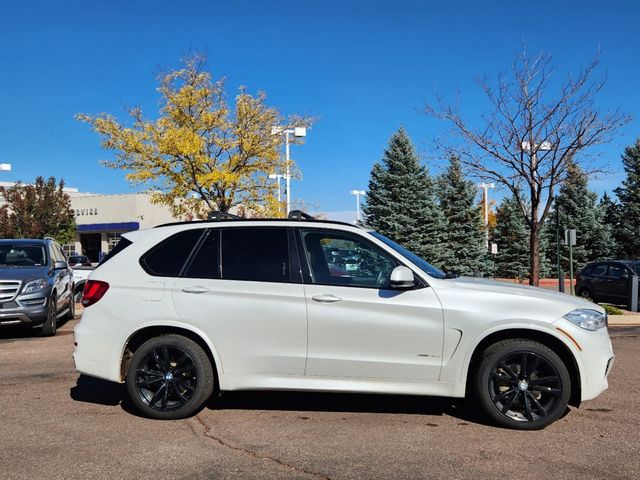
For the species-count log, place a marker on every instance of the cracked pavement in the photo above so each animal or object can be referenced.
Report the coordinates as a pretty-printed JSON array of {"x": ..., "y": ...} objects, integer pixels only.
[{"x": 55, "y": 424}]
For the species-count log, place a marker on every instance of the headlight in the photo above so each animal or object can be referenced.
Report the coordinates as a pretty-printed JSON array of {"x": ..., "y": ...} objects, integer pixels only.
[
  {"x": 587, "y": 319},
  {"x": 36, "y": 286}
]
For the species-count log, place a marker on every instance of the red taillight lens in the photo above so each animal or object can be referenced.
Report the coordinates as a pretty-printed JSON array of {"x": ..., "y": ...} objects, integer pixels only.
[{"x": 93, "y": 291}]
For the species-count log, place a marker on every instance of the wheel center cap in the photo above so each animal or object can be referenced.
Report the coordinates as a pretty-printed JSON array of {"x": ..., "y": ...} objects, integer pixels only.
[
  {"x": 168, "y": 376},
  {"x": 523, "y": 385}
]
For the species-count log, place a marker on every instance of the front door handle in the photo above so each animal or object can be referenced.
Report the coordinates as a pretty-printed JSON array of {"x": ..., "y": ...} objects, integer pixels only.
[
  {"x": 325, "y": 298},
  {"x": 195, "y": 289}
]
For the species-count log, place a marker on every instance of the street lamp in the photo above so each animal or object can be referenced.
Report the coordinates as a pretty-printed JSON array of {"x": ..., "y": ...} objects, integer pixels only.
[
  {"x": 296, "y": 132},
  {"x": 5, "y": 167},
  {"x": 485, "y": 198},
  {"x": 277, "y": 177},
  {"x": 357, "y": 193}
]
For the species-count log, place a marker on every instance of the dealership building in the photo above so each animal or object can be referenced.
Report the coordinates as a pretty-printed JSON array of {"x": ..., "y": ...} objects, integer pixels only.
[{"x": 102, "y": 219}]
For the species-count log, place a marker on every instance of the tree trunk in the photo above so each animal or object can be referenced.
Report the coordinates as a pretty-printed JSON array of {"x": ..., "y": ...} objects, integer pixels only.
[{"x": 534, "y": 257}]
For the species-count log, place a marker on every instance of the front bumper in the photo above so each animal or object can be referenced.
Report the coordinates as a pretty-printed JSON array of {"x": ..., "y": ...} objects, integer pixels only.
[
  {"x": 595, "y": 357},
  {"x": 27, "y": 315}
]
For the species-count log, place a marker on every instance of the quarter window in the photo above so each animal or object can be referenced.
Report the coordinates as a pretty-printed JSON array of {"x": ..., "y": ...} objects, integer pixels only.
[
  {"x": 342, "y": 259},
  {"x": 255, "y": 254},
  {"x": 168, "y": 257}
]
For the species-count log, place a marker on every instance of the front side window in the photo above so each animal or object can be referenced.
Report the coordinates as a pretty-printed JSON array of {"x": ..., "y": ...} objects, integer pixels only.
[
  {"x": 168, "y": 257},
  {"x": 599, "y": 270},
  {"x": 341, "y": 259},
  {"x": 618, "y": 272},
  {"x": 255, "y": 254}
]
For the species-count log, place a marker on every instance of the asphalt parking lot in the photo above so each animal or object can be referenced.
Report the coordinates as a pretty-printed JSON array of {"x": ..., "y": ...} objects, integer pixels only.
[{"x": 55, "y": 424}]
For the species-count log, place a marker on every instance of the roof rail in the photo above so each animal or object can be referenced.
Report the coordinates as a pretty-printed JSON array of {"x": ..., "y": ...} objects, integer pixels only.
[
  {"x": 221, "y": 216},
  {"x": 299, "y": 215}
]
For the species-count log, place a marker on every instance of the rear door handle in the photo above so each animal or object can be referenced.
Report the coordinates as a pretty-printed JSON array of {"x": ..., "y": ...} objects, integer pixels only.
[
  {"x": 325, "y": 298},
  {"x": 194, "y": 289}
]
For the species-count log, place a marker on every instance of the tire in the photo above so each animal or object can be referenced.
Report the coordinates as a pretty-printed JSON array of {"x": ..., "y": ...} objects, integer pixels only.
[
  {"x": 71, "y": 313},
  {"x": 587, "y": 295},
  {"x": 169, "y": 377},
  {"x": 50, "y": 325},
  {"x": 528, "y": 398}
]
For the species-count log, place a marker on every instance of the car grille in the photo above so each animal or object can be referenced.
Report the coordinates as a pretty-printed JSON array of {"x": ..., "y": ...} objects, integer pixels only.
[{"x": 9, "y": 289}]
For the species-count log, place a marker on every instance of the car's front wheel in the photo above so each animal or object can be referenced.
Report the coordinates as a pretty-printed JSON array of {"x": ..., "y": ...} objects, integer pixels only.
[
  {"x": 169, "y": 377},
  {"x": 50, "y": 325},
  {"x": 522, "y": 384}
]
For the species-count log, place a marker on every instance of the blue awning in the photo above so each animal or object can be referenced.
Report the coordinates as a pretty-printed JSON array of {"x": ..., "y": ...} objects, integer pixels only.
[{"x": 101, "y": 227}]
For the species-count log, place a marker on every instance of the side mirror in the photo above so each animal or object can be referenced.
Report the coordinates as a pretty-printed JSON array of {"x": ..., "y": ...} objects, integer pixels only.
[
  {"x": 60, "y": 265},
  {"x": 402, "y": 278}
]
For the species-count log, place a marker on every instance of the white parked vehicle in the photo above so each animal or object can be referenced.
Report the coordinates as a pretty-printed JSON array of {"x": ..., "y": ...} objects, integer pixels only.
[{"x": 180, "y": 310}]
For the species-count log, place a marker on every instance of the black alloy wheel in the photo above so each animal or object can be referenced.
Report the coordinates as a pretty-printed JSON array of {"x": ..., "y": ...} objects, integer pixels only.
[
  {"x": 169, "y": 377},
  {"x": 523, "y": 384}
]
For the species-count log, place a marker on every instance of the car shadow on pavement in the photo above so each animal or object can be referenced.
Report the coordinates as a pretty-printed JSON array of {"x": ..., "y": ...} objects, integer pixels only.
[
  {"x": 102, "y": 392},
  {"x": 348, "y": 403}
]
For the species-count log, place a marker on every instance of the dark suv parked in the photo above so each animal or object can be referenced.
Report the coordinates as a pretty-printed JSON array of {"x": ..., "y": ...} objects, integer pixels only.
[
  {"x": 36, "y": 284},
  {"x": 608, "y": 281}
]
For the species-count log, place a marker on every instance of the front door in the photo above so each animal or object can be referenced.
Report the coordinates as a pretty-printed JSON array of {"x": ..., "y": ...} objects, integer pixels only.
[
  {"x": 358, "y": 326},
  {"x": 250, "y": 302}
]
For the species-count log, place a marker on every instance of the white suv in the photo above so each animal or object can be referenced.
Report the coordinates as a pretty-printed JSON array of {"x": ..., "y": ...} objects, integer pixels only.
[{"x": 182, "y": 309}]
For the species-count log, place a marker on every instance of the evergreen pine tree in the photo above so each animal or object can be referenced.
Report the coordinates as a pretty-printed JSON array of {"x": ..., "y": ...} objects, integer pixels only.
[
  {"x": 579, "y": 211},
  {"x": 464, "y": 236},
  {"x": 627, "y": 231},
  {"x": 610, "y": 211},
  {"x": 401, "y": 203},
  {"x": 512, "y": 237}
]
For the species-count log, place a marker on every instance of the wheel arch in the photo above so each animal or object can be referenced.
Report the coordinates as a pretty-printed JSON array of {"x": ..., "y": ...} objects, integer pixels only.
[
  {"x": 547, "y": 339},
  {"x": 138, "y": 337}
]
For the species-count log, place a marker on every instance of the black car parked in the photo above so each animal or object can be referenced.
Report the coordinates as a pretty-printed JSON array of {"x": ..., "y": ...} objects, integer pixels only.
[{"x": 607, "y": 281}]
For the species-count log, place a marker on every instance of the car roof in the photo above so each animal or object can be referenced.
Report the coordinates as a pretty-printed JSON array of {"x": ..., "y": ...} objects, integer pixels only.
[{"x": 231, "y": 221}]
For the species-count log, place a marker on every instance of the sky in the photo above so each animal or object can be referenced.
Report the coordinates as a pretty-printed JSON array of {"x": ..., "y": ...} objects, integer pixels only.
[{"x": 363, "y": 68}]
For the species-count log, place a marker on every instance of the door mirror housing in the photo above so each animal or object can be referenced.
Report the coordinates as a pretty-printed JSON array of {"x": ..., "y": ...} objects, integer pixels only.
[
  {"x": 60, "y": 265},
  {"x": 402, "y": 278}
]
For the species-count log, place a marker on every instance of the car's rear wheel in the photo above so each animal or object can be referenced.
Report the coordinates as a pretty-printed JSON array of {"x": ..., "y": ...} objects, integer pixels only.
[
  {"x": 522, "y": 384},
  {"x": 50, "y": 325},
  {"x": 169, "y": 377}
]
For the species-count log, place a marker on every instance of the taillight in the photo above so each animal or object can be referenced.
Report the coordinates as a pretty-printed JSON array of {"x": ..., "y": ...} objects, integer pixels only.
[{"x": 93, "y": 291}]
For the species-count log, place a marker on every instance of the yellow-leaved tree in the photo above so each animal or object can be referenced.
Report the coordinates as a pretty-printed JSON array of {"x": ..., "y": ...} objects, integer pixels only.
[{"x": 200, "y": 155}]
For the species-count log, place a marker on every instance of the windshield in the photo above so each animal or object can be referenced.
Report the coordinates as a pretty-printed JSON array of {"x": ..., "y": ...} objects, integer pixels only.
[
  {"x": 22, "y": 255},
  {"x": 412, "y": 257}
]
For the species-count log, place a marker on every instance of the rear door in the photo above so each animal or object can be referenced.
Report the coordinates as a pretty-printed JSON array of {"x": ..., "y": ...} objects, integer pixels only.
[
  {"x": 358, "y": 326},
  {"x": 244, "y": 290}
]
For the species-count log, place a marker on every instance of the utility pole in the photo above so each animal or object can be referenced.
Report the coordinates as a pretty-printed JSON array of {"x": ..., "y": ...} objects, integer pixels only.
[
  {"x": 485, "y": 198},
  {"x": 570, "y": 237}
]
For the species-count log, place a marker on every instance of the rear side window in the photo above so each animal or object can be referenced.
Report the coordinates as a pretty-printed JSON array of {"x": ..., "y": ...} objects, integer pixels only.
[
  {"x": 168, "y": 257},
  {"x": 205, "y": 263},
  {"x": 120, "y": 246},
  {"x": 255, "y": 254}
]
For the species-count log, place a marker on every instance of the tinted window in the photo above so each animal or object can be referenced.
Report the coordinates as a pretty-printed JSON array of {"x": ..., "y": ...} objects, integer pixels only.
[
  {"x": 616, "y": 271},
  {"x": 255, "y": 254},
  {"x": 599, "y": 270},
  {"x": 168, "y": 257},
  {"x": 205, "y": 262},
  {"x": 121, "y": 245},
  {"x": 339, "y": 259}
]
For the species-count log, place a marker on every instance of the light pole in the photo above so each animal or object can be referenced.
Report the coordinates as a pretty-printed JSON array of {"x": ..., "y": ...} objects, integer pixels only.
[
  {"x": 357, "y": 193},
  {"x": 296, "y": 132},
  {"x": 485, "y": 197},
  {"x": 277, "y": 177}
]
